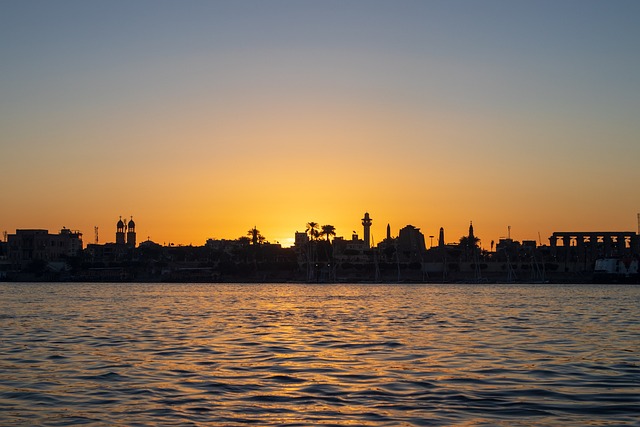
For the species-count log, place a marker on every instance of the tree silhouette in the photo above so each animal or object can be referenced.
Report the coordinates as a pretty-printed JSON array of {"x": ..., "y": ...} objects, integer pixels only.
[
  {"x": 469, "y": 245},
  {"x": 244, "y": 241},
  {"x": 469, "y": 242},
  {"x": 256, "y": 237},
  {"x": 328, "y": 231},
  {"x": 312, "y": 230}
]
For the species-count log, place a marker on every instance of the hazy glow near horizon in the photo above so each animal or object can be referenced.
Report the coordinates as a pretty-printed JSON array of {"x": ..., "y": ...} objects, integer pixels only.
[{"x": 204, "y": 118}]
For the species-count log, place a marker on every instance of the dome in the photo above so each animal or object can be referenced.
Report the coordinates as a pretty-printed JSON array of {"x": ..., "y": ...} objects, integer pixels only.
[
  {"x": 120, "y": 224},
  {"x": 131, "y": 223}
]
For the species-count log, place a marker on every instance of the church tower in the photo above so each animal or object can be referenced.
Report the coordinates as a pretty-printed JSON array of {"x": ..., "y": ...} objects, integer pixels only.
[
  {"x": 120, "y": 232},
  {"x": 366, "y": 223},
  {"x": 131, "y": 233}
]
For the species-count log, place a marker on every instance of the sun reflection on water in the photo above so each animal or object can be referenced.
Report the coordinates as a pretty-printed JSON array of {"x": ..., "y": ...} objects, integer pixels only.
[{"x": 327, "y": 354}]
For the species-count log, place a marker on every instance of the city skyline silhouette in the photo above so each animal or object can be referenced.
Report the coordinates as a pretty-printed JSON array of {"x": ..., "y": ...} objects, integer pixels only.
[{"x": 320, "y": 254}]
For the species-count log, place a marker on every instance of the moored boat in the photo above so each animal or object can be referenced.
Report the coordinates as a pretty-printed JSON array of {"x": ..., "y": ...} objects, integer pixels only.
[{"x": 616, "y": 270}]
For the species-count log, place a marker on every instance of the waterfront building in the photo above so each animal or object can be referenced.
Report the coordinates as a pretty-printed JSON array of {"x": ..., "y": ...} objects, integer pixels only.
[
  {"x": 106, "y": 253},
  {"x": 387, "y": 248},
  {"x": 131, "y": 233},
  {"x": 128, "y": 229},
  {"x": 366, "y": 223},
  {"x": 411, "y": 243},
  {"x": 30, "y": 245},
  {"x": 589, "y": 246},
  {"x": 113, "y": 252},
  {"x": 354, "y": 250},
  {"x": 120, "y": 232},
  {"x": 301, "y": 239}
]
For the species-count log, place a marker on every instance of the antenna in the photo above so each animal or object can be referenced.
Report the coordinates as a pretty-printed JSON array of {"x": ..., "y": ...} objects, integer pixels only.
[{"x": 95, "y": 229}]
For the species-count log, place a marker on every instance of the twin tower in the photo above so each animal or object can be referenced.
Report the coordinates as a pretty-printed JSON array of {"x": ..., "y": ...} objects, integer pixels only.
[{"x": 129, "y": 229}]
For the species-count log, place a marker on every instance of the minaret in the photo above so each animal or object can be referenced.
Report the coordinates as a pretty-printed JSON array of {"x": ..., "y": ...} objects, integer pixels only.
[
  {"x": 366, "y": 223},
  {"x": 441, "y": 237},
  {"x": 131, "y": 233},
  {"x": 471, "y": 236},
  {"x": 120, "y": 232},
  {"x": 388, "y": 232}
]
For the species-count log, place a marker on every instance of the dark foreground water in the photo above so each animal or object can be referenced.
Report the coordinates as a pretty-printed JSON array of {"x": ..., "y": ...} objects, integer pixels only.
[{"x": 298, "y": 355}]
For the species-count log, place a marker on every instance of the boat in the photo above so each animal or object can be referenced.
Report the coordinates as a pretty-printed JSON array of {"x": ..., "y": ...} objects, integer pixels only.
[{"x": 616, "y": 270}]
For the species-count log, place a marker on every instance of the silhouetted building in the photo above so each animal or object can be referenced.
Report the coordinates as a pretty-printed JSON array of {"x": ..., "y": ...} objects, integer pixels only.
[
  {"x": 4, "y": 263},
  {"x": 30, "y": 245},
  {"x": 120, "y": 232},
  {"x": 506, "y": 243},
  {"x": 589, "y": 246},
  {"x": 301, "y": 239},
  {"x": 354, "y": 250},
  {"x": 366, "y": 223},
  {"x": 115, "y": 252},
  {"x": 441, "y": 238},
  {"x": 131, "y": 233},
  {"x": 411, "y": 242},
  {"x": 128, "y": 229},
  {"x": 387, "y": 247}
]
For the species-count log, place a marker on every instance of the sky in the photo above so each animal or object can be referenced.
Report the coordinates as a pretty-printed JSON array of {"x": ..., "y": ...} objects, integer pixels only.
[{"x": 203, "y": 119}]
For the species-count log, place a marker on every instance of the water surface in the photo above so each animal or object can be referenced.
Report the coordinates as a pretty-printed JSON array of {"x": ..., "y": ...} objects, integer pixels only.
[{"x": 299, "y": 355}]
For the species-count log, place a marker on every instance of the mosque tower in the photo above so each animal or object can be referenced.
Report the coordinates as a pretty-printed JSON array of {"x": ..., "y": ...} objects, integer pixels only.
[
  {"x": 131, "y": 233},
  {"x": 366, "y": 223},
  {"x": 441, "y": 237},
  {"x": 471, "y": 236},
  {"x": 120, "y": 232}
]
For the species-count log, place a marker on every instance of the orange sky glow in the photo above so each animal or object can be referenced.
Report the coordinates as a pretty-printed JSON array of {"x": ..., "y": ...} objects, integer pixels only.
[{"x": 211, "y": 119}]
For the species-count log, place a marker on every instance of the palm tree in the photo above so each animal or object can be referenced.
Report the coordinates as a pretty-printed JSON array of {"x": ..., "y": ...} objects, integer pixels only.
[
  {"x": 469, "y": 242},
  {"x": 255, "y": 235},
  {"x": 469, "y": 245},
  {"x": 328, "y": 231},
  {"x": 312, "y": 230}
]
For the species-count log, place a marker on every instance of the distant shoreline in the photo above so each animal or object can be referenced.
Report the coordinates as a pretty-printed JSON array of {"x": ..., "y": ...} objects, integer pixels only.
[{"x": 300, "y": 282}]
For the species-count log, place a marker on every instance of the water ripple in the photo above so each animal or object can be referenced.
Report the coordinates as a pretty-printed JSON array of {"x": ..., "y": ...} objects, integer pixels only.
[{"x": 299, "y": 355}]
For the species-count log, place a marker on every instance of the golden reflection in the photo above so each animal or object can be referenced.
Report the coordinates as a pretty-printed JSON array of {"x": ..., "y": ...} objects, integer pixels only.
[{"x": 314, "y": 354}]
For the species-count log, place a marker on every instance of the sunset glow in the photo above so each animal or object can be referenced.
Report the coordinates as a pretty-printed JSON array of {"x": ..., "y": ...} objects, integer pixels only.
[{"x": 204, "y": 119}]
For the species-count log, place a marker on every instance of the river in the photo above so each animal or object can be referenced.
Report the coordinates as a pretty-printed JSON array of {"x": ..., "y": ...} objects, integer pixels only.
[{"x": 306, "y": 354}]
